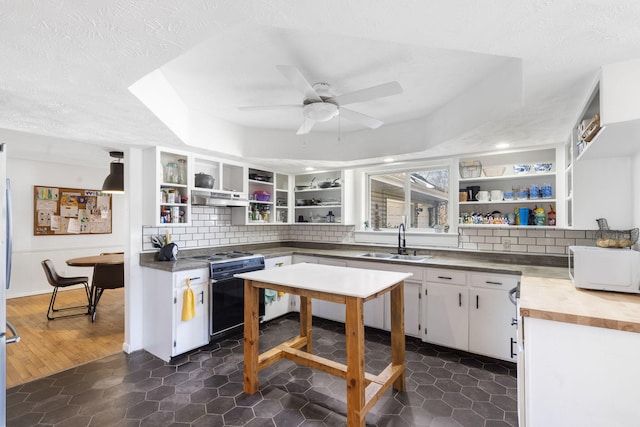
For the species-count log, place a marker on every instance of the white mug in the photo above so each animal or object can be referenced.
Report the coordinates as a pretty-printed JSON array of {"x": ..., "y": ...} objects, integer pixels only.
[
  {"x": 497, "y": 195},
  {"x": 482, "y": 196}
]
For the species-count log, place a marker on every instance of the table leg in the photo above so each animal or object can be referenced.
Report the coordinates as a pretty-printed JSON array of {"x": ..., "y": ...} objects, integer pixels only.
[
  {"x": 306, "y": 321},
  {"x": 251, "y": 347},
  {"x": 354, "y": 330},
  {"x": 397, "y": 334}
]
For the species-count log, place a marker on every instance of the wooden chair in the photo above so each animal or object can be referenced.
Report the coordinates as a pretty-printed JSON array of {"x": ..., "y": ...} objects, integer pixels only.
[
  {"x": 105, "y": 276},
  {"x": 57, "y": 282}
]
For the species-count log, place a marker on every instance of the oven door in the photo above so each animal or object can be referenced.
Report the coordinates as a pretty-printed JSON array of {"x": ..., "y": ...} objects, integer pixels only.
[{"x": 227, "y": 305}]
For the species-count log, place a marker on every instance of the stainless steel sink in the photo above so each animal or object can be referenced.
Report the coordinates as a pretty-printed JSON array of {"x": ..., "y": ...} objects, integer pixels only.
[
  {"x": 380, "y": 255},
  {"x": 416, "y": 258},
  {"x": 376, "y": 255}
]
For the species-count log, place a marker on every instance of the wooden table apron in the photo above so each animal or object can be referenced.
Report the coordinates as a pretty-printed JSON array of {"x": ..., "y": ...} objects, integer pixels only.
[{"x": 363, "y": 389}]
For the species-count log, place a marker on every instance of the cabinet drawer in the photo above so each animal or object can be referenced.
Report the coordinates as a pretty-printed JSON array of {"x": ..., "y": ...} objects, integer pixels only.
[
  {"x": 200, "y": 275},
  {"x": 277, "y": 262},
  {"x": 454, "y": 277},
  {"x": 494, "y": 281}
]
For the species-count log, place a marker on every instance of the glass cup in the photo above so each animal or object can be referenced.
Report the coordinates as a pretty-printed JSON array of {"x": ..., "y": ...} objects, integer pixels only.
[
  {"x": 534, "y": 191},
  {"x": 547, "y": 191}
]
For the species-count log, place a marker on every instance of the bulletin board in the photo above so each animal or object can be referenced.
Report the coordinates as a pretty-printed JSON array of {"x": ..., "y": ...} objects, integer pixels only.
[{"x": 63, "y": 211}]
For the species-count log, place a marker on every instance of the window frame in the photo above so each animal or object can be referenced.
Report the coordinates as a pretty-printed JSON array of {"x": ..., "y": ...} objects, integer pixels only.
[{"x": 420, "y": 236}]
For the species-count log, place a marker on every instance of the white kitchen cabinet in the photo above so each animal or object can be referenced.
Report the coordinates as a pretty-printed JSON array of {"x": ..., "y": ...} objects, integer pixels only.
[
  {"x": 511, "y": 181},
  {"x": 282, "y": 199},
  {"x": 578, "y": 375},
  {"x": 332, "y": 310},
  {"x": 377, "y": 311},
  {"x": 490, "y": 329},
  {"x": 166, "y": 196},
  {"x": 269, "y": 200},
  {"x": 471, "y": 311},
  {"x": 447, "y": 315},
  {"x": 319, "y": 197},
  {"x": 412, "y": 314},
  {"x": 165, "y": 334},
  {"x": 602, "y": 172},
  {"x": 282, "y": 304}
]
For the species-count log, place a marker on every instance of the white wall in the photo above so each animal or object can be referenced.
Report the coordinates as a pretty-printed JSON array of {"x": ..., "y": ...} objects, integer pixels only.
[
  {"x": 635, "y": 188},
  {"x": 28, "y": 250}
]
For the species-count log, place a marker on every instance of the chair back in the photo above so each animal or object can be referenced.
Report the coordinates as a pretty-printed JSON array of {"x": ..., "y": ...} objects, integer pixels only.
[
  {"x": 108, "y": 276},
  {"x": 50, "y": 272}
]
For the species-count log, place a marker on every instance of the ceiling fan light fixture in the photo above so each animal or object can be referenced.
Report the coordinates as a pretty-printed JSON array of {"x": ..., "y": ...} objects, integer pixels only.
[{"x": 320, "y": 111}]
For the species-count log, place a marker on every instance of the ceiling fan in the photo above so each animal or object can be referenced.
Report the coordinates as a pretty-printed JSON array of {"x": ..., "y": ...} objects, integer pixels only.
[{"x": 319, "y": 105}]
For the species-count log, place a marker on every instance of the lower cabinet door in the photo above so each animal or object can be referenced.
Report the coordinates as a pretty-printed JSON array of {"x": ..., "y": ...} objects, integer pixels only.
[
  {"x": 490, "y": 330},
  {"x": 447, "y": 315},
  {"x": 412, "y": 302},
  {"x": 327, "y": 309},
  {"x": 192, "y": 333}
]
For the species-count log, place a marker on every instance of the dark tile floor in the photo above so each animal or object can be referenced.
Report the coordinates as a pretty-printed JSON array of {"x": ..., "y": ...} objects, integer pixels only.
[{"x": 204, "y": 388}]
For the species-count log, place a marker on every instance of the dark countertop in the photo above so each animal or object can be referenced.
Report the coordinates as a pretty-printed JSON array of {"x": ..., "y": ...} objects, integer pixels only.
[{"x": 528, "y": 265}]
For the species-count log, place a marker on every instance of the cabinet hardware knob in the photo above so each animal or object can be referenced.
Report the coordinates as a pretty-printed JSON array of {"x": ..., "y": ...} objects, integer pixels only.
[
  {"x": 459, "y": 299},
  {"x": 493, "y": 283},
  {"x": 444, "y": 277}
]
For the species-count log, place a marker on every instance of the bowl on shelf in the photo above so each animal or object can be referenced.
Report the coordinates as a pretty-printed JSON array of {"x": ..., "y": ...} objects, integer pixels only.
[
  {"x": 521, "y": 168},
  {"x": 301, "y": 202},
  {"x": 542, "y": 167},
  {"x": 262, "y": 196},
  {"x": 491, "y": 171}
]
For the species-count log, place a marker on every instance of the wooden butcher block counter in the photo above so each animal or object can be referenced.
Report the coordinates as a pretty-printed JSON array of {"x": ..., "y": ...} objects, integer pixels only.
[{"x": 560, "y": 300}]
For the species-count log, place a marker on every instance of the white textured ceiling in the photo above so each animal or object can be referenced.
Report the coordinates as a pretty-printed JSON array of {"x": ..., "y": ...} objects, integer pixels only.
[{"x": 67, "y": 65}]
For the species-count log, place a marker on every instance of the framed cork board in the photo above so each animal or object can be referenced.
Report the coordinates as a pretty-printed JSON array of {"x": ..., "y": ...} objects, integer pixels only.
[{"x": 62, "y": 211}]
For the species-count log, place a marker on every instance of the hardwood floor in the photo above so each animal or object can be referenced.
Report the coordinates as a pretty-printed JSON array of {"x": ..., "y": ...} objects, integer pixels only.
[{"x": 50, "y": 346}]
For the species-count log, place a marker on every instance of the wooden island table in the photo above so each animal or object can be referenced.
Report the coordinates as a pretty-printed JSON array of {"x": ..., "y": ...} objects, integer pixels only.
[{"x": 350, "y": 286}]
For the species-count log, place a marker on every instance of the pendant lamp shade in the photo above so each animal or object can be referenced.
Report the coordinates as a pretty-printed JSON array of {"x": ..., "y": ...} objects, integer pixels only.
[{"x": 114, "y": 183}]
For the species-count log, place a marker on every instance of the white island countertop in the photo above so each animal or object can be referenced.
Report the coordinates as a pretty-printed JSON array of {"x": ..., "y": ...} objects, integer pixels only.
[{"x": 331, "y": 279}]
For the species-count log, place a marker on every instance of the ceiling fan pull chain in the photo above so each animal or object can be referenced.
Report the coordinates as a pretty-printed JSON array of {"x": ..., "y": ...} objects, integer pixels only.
[{"x": 339, "y": 125}]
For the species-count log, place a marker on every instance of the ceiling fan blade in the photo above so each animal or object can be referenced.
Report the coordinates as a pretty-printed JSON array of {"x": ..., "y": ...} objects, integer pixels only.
[
  {"x": 306, "y": 126},
  {"x": 295, "y": 76},
  {"x": 270, "y": 107},
  {"x": 363, "y": 119},
  {"x": 379, "y": 91}
]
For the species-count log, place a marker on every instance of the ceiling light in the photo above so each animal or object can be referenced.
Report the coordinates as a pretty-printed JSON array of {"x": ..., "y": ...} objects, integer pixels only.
[
  {"x": 320, "y": 111},
  {"x": 308, "y": 168},
  {"x": 388, "y": 159},
  {"x": 502, "y": 145},
  {"x": 114, "y": 183}
]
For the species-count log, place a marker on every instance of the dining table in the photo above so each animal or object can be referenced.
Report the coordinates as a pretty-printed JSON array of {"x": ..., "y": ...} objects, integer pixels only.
[
  {"x": 92, "y": 261},
  {"x": 350, "y": 286}
]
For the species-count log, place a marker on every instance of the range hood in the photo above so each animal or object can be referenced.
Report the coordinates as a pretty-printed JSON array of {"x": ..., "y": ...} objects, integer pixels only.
[{"x": 213, "y": 198}]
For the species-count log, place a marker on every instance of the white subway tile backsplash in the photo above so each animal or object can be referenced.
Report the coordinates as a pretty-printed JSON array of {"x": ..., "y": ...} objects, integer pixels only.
[
  {"x": 527, "y": 240},
  {"x": 565, "y": 242},
  {"x": 575, "y": 234},
  {"x": 212, "y": 227},
  {"x": 535, "y": 233},
  {"x": 545, "y": 241},
  {"x": 555, "y": 233}
]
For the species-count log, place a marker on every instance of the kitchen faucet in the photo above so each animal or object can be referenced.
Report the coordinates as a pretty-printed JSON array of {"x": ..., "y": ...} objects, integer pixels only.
[{"x": 402, "y": 242}]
